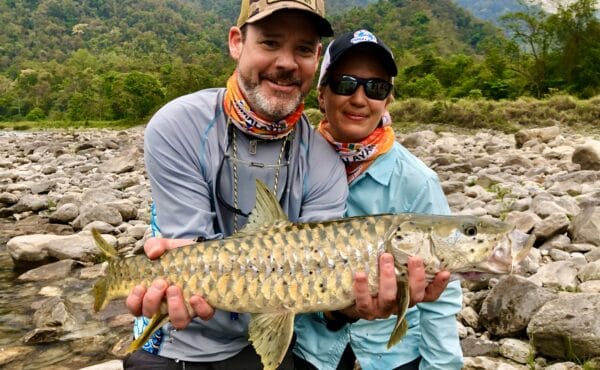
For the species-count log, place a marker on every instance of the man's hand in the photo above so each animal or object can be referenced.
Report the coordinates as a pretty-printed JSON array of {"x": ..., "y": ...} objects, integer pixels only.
[
  {"x": 385, "y": 302},
  {"x": 147, "y": 302}
]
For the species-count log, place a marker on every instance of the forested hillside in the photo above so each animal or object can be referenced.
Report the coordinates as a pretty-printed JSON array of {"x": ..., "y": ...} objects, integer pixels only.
[{"x": 107, "y": 60}]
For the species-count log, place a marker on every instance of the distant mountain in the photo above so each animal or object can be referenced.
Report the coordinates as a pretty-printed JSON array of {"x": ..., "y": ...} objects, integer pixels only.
[{"x": 492, "y": 10}]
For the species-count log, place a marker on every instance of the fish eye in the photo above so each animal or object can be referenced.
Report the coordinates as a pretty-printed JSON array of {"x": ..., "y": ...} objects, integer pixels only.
[{"x": 470, "y": 230}]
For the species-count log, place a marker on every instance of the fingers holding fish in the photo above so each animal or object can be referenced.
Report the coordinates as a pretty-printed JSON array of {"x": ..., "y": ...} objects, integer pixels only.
[
  {"x": 201, "y": 308},
  {"x": 388, "y": 287},
  {"x": 153, "y": 298},
  {"x": 134, "y": 300},
  {"x": 156, "y": 247},
  {"x": 417, "y": 281},
  {"x": 437, "y": 286},
  {"x": 178, "y": 312},
  {"x": 384, "y": 303}
]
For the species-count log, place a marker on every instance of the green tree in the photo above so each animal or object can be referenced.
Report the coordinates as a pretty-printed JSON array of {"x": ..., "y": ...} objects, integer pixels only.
[
  {"x": 533, "y": 31},
  {"x": 136, "y": 95},
  {"x": 578, "y": 31}
]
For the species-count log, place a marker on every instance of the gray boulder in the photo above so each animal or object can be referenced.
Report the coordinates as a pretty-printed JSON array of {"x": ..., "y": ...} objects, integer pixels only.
[
  {"x": 507, "y": 309},
  {"x": 568, "y": 326}
]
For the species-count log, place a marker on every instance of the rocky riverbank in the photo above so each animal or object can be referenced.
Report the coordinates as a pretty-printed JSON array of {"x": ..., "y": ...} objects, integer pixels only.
[{"x": 55, "y": 186}]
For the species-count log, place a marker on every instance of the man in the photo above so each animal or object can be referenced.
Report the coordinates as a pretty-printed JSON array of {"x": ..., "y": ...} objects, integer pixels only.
[{"x": 203, "y": 153}]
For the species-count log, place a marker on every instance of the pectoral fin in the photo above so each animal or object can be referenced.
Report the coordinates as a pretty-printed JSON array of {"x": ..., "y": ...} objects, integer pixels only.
[
  {"x": 401, "y": 325},
  {"x": 157, "y": 321},
  {"x": 271, "y": 334}
]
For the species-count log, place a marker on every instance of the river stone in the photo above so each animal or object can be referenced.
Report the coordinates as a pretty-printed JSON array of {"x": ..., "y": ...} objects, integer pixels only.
[
  {"x": 490, "y": 363},
  {"x": 108, "y": 365},
  {"x": 469, "y": 317},
  {"x": 588, "y": 155},
  {"x": 515, "y": 349},
  {"x": 101, "y": 226},
  {"x": 9, "y": 354},
  {"x": 544, "y": 134},
  {"x": 585, "y": 227},
  {"x": 65, "y": 213},
  {"x": 42, "y": 187},
  {"x": 126, "y": 208},
  {"x": 41, "y": 335},
  {"x": 418, "y": 139},
  {"x": 99, "y": 195},
  {"x": 473, "y": 347},
  {"x": 28, "y": 249},
  {"x": 509, "y": 306},
  {"x": 52, "y": 271},
  {"x": 55, "y": 312},
  {"x": 79, "y": 247},
  {"x": 30, "y": 202},
  {"x": 556, "y": 223},
  {"x": 93, "y": 272},
  {"x": 559, "y": 275},
  {"x": 524, "y": 221},
  {"x": 8, "y": 198},
  {"x": 591, "y": 271},
  {"x": 567, "y": 326},
  {"x": 98, "y": 212},
  {"x": 121, "y": 164},
  {"x": 591, "y": 286},
  {"x": 593, "y": 255}
]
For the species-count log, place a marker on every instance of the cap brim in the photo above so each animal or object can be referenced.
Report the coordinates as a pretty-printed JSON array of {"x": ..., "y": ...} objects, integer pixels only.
[{"x": 323, "y": 26}]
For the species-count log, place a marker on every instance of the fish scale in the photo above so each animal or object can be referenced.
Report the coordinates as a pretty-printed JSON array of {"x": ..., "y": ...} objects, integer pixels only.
[{"x": 274, "y": 269}]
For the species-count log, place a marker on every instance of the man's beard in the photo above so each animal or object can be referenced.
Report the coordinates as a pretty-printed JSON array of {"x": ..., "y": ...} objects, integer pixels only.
[{"x": 274, "y": 107}]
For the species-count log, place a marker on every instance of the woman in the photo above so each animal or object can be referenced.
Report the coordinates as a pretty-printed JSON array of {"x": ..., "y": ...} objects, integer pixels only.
[{"x": 355, "y": 87}]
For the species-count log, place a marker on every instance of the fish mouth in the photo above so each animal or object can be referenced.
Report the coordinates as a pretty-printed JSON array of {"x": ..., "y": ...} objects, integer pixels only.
[
  {"x": 521, "y": 245},
  {"x": 505, "y": 257}
]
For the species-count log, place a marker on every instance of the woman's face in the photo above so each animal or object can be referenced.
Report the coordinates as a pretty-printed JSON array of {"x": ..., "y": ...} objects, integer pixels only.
[{"x": 352, "y": 118}]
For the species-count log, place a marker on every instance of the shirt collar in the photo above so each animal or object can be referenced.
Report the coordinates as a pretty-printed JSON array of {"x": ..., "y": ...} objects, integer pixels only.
[{"x": 380, "y": 170}]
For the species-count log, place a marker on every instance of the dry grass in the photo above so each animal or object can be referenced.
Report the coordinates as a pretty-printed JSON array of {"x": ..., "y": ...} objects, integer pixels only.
[{"x": 508, "y": 116}]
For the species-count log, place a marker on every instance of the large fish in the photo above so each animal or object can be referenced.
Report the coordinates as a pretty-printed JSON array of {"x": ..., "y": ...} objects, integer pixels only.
[{"x": 275, "y": 269}]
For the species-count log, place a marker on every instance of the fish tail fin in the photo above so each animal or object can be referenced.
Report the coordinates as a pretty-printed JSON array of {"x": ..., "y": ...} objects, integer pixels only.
[
  {"x": 108, "y": 250},
  {"x": 100, "y": 293},
  {"x": 157, "y": 321},
  {"x": 101, "y": 286}
]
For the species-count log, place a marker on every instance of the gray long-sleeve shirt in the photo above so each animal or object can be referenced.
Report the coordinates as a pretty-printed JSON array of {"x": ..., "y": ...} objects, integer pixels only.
[{"x": 188, "y": 155}]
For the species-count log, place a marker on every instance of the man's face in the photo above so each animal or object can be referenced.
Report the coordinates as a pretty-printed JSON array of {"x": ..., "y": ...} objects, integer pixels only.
[{"x": 277, "y": 62}]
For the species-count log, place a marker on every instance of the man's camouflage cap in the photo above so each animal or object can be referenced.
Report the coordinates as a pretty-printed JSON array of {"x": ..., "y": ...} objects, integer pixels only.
[{"x": 254, "y": 10}]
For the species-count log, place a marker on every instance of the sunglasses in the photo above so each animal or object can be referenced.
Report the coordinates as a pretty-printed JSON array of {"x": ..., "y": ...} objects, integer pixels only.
[{"x": 375, "y": 88}]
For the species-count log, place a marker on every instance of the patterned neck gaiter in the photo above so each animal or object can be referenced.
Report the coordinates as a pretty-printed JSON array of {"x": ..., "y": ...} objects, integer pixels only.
[
  {"x": 248, "y": 121},
  {"x": 359, "y": 156}
]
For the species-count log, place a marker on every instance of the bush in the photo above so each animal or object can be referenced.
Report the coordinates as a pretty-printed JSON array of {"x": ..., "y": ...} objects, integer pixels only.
[{"x": 36, "y": 114}]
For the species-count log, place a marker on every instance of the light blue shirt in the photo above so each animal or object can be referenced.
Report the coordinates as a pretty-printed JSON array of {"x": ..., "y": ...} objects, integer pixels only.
[{"x": 396, "y": 182}]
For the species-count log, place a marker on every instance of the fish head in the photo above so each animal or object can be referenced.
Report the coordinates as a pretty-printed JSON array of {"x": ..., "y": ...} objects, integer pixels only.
[{"x": 470, "y": 245}]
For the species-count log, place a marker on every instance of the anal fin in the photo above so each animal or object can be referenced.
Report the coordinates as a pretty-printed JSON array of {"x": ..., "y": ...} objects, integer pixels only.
[
  {"x": 401, "y": 326},
  {"x": 271, "y": 334}
]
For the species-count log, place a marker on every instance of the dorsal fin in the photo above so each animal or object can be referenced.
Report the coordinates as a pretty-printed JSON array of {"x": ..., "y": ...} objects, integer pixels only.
[{"x": 266, "y": 211}]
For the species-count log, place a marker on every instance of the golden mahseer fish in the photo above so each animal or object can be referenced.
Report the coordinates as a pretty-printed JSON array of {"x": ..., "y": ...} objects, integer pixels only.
[{"x": 275, "y": 269}]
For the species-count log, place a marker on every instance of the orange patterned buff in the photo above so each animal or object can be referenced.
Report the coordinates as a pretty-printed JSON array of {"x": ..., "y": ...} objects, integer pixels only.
[
  {"x": 359, "y": 156},
  {"x": 244, "y": 118}
]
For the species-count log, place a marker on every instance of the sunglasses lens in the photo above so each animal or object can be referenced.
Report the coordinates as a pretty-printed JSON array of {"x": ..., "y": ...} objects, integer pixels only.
[
  {"x": 377, "y": 89},
  {"x": 345, "y": 85}
]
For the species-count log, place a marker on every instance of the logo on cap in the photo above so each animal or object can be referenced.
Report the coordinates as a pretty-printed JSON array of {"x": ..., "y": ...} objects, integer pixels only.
[{"x": 363, "y": 36}]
